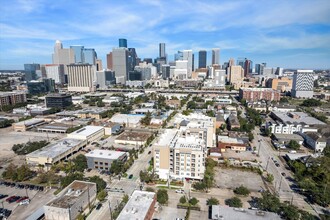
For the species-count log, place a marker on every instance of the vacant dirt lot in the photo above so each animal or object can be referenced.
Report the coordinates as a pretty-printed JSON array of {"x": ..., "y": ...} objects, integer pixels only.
[{"x": 232, "y": 178}]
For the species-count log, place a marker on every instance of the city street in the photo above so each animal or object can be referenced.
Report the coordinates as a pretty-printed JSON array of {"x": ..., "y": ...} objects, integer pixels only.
[{"x": 281, "y": 184}]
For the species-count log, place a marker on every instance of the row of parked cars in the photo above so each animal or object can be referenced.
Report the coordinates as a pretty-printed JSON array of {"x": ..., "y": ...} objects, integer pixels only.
[
  {"x": 22, "y": 186},
  {"x": 21, "y": 200},
  {"x": 4, "y": 213}
]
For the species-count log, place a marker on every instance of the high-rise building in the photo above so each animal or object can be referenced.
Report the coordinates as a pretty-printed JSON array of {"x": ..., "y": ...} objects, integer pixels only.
[
  {"x": 162, "y": 50},
  {"x": 202, "y": 57},
  {"x": 236, "y": 75},
  {"x": 181, "y": 69},
  {"x": 303, "y": 84},
  {"x": 122, "y": 42},
  {"x": 188, "y": 55},
  {"x": 99, "y": 66},
  {"x": 281, "y": 84},
  {"x": 89, "y": 56},
  {"x": 216, "y": 56},
  {"x": 78, "y": 53},
  {"x": 31, "y": 71},
  {"x": 38, "y": 87},
  {"x": 247, "y": 67},
  {"x": 109, "y": 61},
  {"x": 81, "y": 78},
  {"x": 120, "y": 64},
  {"x": 132, "y": 58},
  {"x": 104, "y": 78},
  {"x": 166, "y": 71},
  {"x": 55, "y": 72},
  {"x": 62, "y": 55},
  {"x": 178, "y": 56}
]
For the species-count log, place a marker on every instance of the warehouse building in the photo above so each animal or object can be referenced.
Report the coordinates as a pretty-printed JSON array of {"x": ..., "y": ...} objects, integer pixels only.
[
  {"x": 71, "y": 201},
  {"x": 137, "y": 138},
  {"x": 27, "y": 124},
  {"x": 102, "y": 159},
  {"x": 88, "y": 133}
]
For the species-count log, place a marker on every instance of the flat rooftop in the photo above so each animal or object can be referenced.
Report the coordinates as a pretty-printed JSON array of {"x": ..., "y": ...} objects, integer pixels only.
[
  {"x": 138, "y": 206},
  {"x": 71, "y": 194},
  {"x": 54, "y": 126},
  {"x": 226, "y": 139},
  {"x": 126, "y": 118},
  {"x": 87, "y": 130},
  {"x": 29, "y": 122},
  {"x": 134, "y": 136},
  {"x": 302, "y": 118},
  {"x": 55, "y": 149},
  {"x": 289, "y": 137},
  {"x": 258, "y": 89},
  {"x": 242, "y": 214},
  {"x": 167, "y": 137},
  {"x": 105, "y": 154}
]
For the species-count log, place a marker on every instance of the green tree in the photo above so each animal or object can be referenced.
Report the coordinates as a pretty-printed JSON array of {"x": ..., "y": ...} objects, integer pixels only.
[
  {"x": 146, "y": 120},
  {"x": 212, "y": 201},
  {"x": 269, "y": 178},
  {"x": 162, "y": 196},
  {"x": 193, "y": 201},
  {"x": 100, "y": 183},
  {"x": 150, "y": 189},
  {"x": 284, "y": 100},
  {"x": 116, "y": 167},
  {"x": 294, "y": 145},
  {"x": 125, "y": 198},
  {"x": 269, "y": 202},
  {"x": 311, "y": 103},
  {"x": 242, "y": 190},
  {"x": 80, "y": 163},
  {"x": 67, "y": 180},
  {"x": 183, "y": 199},
  {"x": 234, "y": 202},
  {"x": 102, "y": 195},
  {"x": 251, "y": 136},
  {"x": 290, "y": 212}
]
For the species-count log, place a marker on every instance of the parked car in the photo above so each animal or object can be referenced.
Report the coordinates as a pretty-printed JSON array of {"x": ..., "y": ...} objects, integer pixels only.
[
  {"x": 21, "y": 199},
  {"x": 25, "y": 202},
  {"x": 149, "y": 152},
  {"x": 179, "y": 191},
  {"x": 283, "y": 174},
  {"x": 130, "y": 176},
  {"x": 98, "y": 206},
  {"x": 3, "y": 196}
]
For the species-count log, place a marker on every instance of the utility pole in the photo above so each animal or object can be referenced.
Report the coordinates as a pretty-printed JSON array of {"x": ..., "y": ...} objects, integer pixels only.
[
  {"x": 110, "y": 210},
  {"x": 259, "y": 148},
  {"x": 267, "y": 163},
  {"x": 279, "y": 188}
]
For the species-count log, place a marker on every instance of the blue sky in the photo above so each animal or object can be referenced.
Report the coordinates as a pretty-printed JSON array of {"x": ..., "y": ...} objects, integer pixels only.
[{"x": 286, "y": 33}]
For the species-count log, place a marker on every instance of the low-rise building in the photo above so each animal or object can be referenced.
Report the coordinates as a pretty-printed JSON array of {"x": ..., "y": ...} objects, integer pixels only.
[
  {"x": 102, "y": 159},
  {"x": 129, "y": 120},
  {"x": 54, "y": 128},
  {"x": 315, "y": 141},
  {"x": 58, "y": 100},
  {"x": 88, "y": 133},
  {"x": 27, "y": 124},
  {"x": 96, "y": 113},
  {"x": 141, "y": 205},
  {"x": 173, "y": 103},
  {"x": 286, "y": 138},
  {"x": 71, "y": 201},
  {"x": 136, "y": 138},
  {"x": 257, "y": 94},
  {"x": 233, "y": 122},
  {"x": 54, "y": 152},
  {"x": 144, "y": 111},
  {"x": 235, "y": 144}
]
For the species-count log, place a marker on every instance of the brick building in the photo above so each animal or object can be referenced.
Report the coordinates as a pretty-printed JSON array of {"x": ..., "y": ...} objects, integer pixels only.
[{"x": 257, "y": 94}]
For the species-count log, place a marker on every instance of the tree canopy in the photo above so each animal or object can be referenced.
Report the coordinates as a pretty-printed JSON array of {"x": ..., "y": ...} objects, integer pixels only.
[{"x": 162, "y": 196}]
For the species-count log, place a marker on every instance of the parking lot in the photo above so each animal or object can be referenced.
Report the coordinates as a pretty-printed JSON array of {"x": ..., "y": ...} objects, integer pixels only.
[
  {"x": 37, "y": 199},
  {"x": 242, "y": 155},
  {"x": 232, "y": 178}
]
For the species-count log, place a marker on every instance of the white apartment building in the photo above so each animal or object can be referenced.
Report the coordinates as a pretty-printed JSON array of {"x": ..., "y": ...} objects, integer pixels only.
[
  {"x": 189, "y": 57},
  {"x": 181, "y": 69},
  {"x": 180, "y": 154},
  {"x": 303, "y": 84}
]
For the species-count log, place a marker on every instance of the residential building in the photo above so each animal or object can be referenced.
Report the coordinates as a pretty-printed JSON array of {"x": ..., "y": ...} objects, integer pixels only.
[
  {"x": 55, "y": 152},
  {"x": 102, "y": 159},
  {"x": 71, "y": 201},
  {"x": 292, "y": 122},
  {"x": 315, "y": 141},
  {"x": 181, "y": 69},
  {"x": 202, "y": 57},
  {"x": 55, "y": 72},
  {"x": 12, "y": 98},
  {"x": 188, "y": 56},
  {"x": 281, "y": 84},
  {"x": 120, "y": 64},
  {"x": 257, "y": 94},
  {"x": 303, "y": 84},
  {"x": 31, "y": 71},
  {"x": 81, "y": 78},
  {"x": 141, "y": 205},
  {"x": 88, "y": 133},
  {"x": 233, "y": 122},
  {"x": 58, "y": 100},
  {"x": 123, "y": 42},
  {"x": 216, "y": 56}
]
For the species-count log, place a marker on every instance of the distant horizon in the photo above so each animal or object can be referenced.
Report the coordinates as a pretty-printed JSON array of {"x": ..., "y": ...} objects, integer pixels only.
[{"x": 279, "y": 32}]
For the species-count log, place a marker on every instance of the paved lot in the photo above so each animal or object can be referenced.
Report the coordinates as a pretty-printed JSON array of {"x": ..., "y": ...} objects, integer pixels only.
[
  {"x": 169, "y": 213},
  {"x": 232, "y": 178},
  {"x": 245, "y": 155},
  {"x": 38, "y": 199}
]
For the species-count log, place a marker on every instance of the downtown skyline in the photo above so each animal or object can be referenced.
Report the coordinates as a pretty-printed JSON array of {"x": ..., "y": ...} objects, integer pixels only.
[{"x": 293, "y": 34}]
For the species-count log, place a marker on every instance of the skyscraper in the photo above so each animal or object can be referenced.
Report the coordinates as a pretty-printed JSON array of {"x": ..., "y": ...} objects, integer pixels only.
[
  {"x": 178, "y": 56},
  {"x": 81, "y": 78},
  {"x": 303, "y": 84},
  {"x": 78, "y": 53},
  {"x": 120, "y": 64},
  {"x": 30, "y": 71},
  {"x": 132, "y": 57},
  {"x": 99, "y": 66},
  {"x": 55, "y": 72},
  {"x": 109, "y": 61},
  {"x": 188, "y": 55},
  {"x": 162, "y": 50},
  {"x": 63, "y": 55},
  {"x": 202, "y": 56},
  {"x": 236, "y": 76},
  {"x": 247, "y": 67},
  {"x": 122, "y": 42},
  {"x": 216, "y": 56},
  {"x": 89, "y": 56}
]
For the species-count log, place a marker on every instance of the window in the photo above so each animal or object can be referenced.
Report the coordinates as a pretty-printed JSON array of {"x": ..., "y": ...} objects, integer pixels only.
[
  {"x": 96, "y": 167},
  {"x": 101, "y": 168},
  {"x": 96, "y": 162},
  {"x": 101, "y": 163},
  {"x": 106, "y": 164},
  {"x": 182, "y": 164}
]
